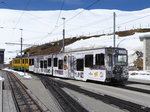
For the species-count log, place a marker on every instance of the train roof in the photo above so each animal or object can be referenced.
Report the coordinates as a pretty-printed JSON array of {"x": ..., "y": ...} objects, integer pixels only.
[
  {"x": 33, "y": 55},
  {"x": 2, "y": 49},
  {"x": 80, "y": 50}
]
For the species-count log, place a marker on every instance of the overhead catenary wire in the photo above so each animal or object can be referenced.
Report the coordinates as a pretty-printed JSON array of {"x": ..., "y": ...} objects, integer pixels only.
[
  {"x": 87, "y": 7},
  {"x": 23, "y": 12},
  {"x": 63, "y": 2},
  {"x": 62, "y": 5},
  {"x": 28, "y": 12},
  {"x": 10, "y": 28},
  {"x": 118, "y": 25}
]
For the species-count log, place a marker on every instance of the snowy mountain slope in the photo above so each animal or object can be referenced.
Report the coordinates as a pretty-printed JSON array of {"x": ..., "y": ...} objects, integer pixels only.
[
  {"x": 38, "y": 25},
  {"x": 131, "y": 43}
]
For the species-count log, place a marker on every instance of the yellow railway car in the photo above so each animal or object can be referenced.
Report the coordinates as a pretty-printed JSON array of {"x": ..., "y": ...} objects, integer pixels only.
[{"x": 21, "y": 63}]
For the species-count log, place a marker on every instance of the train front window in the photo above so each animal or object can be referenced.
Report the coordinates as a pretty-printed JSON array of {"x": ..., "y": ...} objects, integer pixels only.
[{"x": 121, "y": 59}]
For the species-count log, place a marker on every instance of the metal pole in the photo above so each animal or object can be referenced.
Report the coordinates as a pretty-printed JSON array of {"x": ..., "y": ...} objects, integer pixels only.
[
  {"x": 21, "y": 41},
  {"x": 114, "y": 20},
  {"x": 21, "y": 50},
  {"x": 63, "y": 46}
]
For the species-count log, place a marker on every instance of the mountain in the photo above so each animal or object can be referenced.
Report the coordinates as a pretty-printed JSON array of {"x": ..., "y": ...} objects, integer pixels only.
[{"x": 41, "y": 27}]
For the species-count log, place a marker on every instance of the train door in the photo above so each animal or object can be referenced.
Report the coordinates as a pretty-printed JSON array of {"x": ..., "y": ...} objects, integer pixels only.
[
  {"x": 77, "y": 66},
  {"x": 58, "y": 65},
  {"x": 55, "y": 65},
  {"x": 45, "y": 66},
  {"x": 69, "y": 66},
  {"x": 36, "y": 64},
  {"x": 49, "y": 65},
  {"x": 31, "y": 64},
  {"x": 41, "y": 66},
  {"x": 65, "y": 66}
]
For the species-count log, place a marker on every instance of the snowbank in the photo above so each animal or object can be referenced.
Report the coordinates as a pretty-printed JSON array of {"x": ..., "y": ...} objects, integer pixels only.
[
  {"x": 1, "y": 78},
  {"x": 25, "y": 75},
  {"x": 142, "y": 75}
]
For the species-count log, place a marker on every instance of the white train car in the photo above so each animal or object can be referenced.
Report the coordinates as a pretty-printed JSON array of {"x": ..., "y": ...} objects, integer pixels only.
[{"x": 102, "y": 64}]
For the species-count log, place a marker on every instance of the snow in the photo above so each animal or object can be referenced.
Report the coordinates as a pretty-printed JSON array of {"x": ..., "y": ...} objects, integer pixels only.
[
  {"x": 141, "y": 75},
  {"x": 38, "y": 26},
  {"x": 131, "y": 43},
  {"x": 23, "y": 74},
  {"x": 1, "y": 79}
]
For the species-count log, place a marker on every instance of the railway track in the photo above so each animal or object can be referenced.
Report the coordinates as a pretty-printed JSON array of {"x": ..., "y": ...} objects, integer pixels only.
[
  {"x": 23, "y": 101},
  {"x": 124, "y": 86},
  {"x": 134, "y": 89},
  {"x": 132, "y": 82},
  {"x": 66, "y": 103},
  {"x": 122, "y": 104}
]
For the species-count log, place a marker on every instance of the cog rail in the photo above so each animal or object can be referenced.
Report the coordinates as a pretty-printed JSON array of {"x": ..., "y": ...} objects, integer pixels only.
[{"x": 23, "y": 101}]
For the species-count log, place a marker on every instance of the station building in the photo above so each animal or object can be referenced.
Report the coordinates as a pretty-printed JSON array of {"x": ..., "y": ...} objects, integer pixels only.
[{"x": 2, "y": 58}]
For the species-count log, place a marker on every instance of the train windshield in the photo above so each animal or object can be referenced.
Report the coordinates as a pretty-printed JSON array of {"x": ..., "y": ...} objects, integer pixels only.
[{"x": 120, "y": 59}]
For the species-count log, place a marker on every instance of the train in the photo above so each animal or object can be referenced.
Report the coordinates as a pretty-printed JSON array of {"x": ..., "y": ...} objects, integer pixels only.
[{"x": 108, "y": 64}]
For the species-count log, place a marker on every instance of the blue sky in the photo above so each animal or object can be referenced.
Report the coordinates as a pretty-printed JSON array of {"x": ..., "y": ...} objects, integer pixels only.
[{"x": 126, "y": 5}]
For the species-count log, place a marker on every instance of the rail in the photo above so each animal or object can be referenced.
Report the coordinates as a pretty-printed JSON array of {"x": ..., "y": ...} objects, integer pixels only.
[
  {"x": 66, "y": 102},
  {"x": 23, "y": 101},
  {"x": 120, "y": 103}
]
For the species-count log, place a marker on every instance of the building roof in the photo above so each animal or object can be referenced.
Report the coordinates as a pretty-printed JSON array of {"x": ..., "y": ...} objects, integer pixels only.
[{"x": 147, "y": 36}]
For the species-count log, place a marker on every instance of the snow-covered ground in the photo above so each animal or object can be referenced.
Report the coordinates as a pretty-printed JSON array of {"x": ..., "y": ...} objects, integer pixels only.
[
  {"x": 1, "y": 78},
  {"x": 23, "y": 74},
  {"x": 142, "y": 75},
  {"x": 42, "y": 26}
]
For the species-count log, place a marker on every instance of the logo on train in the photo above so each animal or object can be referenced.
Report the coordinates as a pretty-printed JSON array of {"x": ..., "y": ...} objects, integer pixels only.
[{"x": 96, "y": 74}]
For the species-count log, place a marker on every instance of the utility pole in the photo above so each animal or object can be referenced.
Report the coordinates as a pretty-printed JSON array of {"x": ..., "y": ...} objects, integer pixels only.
[
  {"x": 114, "y": 24},
  {"x": 63, "y": 43},
  {"x": 21, "y": 49},
  {"x": 21, "y": 41}
]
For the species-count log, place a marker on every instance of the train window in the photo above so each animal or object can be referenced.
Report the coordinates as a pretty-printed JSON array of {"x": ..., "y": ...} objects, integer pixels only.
[
  {"x": 55, "y": 62},
  {"x": 49, "y": 62},
  {"x": 45, "y": 64},
  {"x": 110, "y": 61},
  {"x": 26, "y": 61},
  {"x": 41, "y": 64},
  {"x": 23, "y": 61},
  {"x": 89, "y": 61},
  {"x": 1, "y": 59},
  {"x": 80, "y": 65},
  {"x": 60, "y": 66},
  {"x": 30, "y": 61},
  {"x": 99, "y": 59}
]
